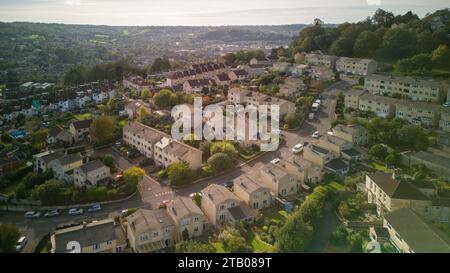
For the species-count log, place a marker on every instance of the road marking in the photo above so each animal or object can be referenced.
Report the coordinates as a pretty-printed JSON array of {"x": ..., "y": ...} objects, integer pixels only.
[{"x": 164, "y": 193}]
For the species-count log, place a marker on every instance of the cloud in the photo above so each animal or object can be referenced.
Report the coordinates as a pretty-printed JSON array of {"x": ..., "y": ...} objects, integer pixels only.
[{"x": 78, "y": 3}]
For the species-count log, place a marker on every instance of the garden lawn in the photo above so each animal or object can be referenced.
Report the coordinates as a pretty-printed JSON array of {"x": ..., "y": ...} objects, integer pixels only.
[
  {"x": 257, "y": 244},
  {"x": 379, "y": 167},
  {"x": 218, "y": 246},
  {"x": 83, "y": 116},
  {"x": 336, "y": 186},
  {"x": 275, "y": 215}
]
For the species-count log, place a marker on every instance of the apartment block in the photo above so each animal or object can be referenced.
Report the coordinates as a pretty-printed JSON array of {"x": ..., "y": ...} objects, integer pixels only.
[
  {"x": 382, "y": 106},
  {"x": 408, "y": 87},
  {"x": 410, "y": 233},
  {"x": 444, "y": 122},
  {"x": 321, "y": 60},
  {"x": 160, "y": 146},
  {"x": 352, "y": 98},
  {"x": 356, "y": 66},
  {"x": 418, "y": 113},
  {"x": 238, "y": 96}
]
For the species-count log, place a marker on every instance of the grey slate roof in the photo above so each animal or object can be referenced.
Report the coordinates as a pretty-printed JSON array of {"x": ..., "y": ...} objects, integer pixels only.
[{"x": 88, "y": 235}]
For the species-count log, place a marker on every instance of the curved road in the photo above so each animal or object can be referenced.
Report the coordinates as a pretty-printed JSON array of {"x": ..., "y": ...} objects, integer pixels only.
[{"x": 151, "y": 193}]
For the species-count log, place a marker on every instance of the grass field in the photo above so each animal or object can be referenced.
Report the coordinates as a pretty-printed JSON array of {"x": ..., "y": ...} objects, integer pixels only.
[{"x": 379, "y": 167}]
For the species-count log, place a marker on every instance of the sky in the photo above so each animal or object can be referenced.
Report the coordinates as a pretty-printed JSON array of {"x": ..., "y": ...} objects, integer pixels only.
[{"x": 204, "y": 12}]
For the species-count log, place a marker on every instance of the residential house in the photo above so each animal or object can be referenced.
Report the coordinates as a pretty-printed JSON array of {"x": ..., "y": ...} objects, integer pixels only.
[
  {"x": 252, "y": 192},
  {"x": 410, "y": 233},
  {"x": 188, "y": 219},
  {"x": 222, "y": 79},
  {"x": 132, "y": 109},
  {"x": 444, "y": 122},
  {"x": 43, "y": 162},
  {"x": 281, "y": 67},
  {"x": 58, "y": 135},
  {"x": 96, "y": 237},
  {"x": 80, "y": 130},
  {"x": 63, "y": 167},
  {"x": 304, "y": 170},
  {"x": 438, "y": 164},
  {"x": 356, "y": 134},
  {"x": 390, "y": 194},
  {"x": 356, "y": 66},
  {"x": 382, "y": 106},
  {"x": 408, "y": 87},
  {"x": 197, "y": 85},
  {"x": 221, "y": 206},
  {"x": 317, "y": 155},
  {"x": 338, "y": 166},
  {"x": 238, "y": 75},
  {"x": 418, "y": 113},
  {"x": 169, "y": 151},
  {"x": 352, "y": 98},
  {"x": 280, "y": 182},
  {"x": 142, "y": 137},
  {"x": 334, "y": 144},
  {"x": 135, "y": 83},
  {"x": 91, "y": 174},
  {"x": 149, "y": 231}
]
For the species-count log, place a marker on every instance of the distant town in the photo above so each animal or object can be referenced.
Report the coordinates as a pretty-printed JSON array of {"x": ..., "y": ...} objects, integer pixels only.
[{"x": 88, "y": 163}]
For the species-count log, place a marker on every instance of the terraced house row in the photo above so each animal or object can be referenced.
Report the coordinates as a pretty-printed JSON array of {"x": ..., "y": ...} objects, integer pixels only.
[
  {"x": 159, "y": 146},
  {"x": 417, "y": 89},
  {"x": 354, "y": 66},
  {"x": 416, "y": 112}
]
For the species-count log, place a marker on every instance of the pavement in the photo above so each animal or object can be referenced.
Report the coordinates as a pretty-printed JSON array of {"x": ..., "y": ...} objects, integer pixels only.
[{"x": 151, "y": 193}]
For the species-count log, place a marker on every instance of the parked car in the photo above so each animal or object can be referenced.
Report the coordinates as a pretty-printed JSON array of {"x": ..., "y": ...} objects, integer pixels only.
[
  {"x": 21, "y": 243},
  {"x": 124, "y": 212},
  {"x": 94, "y": 208},
  {"x": 275, "y": 161},
  {"x": 192, "y": 195},
  {"x": 316, "y": 134},
  {"x": 297, "y": 148},
  {"x": 33, "y": 214},
  {"x": 52, "y": 213},
  {"x": 76, "y": 211},
  {"x": 228, "y": 184}
]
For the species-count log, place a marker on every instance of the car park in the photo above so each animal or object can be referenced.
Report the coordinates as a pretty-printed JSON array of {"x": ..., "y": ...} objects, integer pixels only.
[
  {"x": 33, "y": 214},
  {"x": 76, "y": 211},
  {"x": 52, "y": 213}
]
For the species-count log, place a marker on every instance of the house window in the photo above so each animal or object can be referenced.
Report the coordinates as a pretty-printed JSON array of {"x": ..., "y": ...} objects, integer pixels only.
[
  {"x": 185, "y": 222},
  {"x": 398, "y": 236},
  {"x": 109, "y": 243},
  {"x": 155, "y": 234},
  {"x": 96, "y": 246},
  {"x": 196, "y": 219},
  {"x": 144, "y": 237}
]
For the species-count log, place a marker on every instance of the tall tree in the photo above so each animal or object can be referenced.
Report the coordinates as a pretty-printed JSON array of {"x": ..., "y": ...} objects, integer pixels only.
[
  {"x": 9, "y": 235},
  {"x": 102, "y": 129}
]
